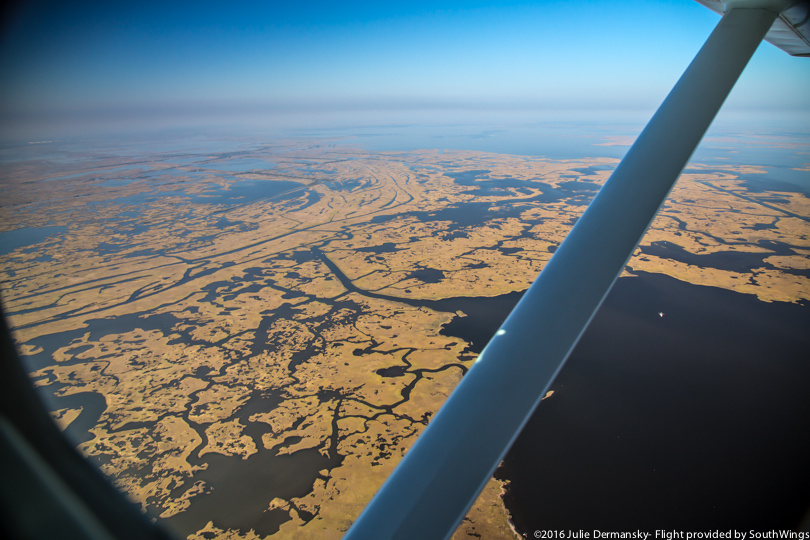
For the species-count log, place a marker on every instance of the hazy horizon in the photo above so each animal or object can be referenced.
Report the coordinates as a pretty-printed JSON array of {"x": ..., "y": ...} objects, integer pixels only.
[{"x": 97, "y": 67}]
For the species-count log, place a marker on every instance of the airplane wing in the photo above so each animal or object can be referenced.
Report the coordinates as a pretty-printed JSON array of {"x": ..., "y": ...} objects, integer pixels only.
[{"x": 790, "y": 31}]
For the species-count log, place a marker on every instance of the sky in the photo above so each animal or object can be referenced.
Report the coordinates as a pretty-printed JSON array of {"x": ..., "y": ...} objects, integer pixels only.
[{"x": 311, "y": 63}]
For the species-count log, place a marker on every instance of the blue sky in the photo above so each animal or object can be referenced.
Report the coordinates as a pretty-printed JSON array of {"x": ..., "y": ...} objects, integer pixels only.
[{"x": 389, "y": 61}]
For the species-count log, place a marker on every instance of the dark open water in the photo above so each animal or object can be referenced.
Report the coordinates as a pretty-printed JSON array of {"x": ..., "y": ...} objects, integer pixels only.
[{"x": 695, "y": 420}]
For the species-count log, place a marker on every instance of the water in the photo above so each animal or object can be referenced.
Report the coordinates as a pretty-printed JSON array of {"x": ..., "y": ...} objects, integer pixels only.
[
  {"x": 104, "y": 171},
  {"x": 779, "y": 179},
  {"x": 240, "y": 192},
  {"x": 234, "y": 503},
  {"x": 556, "y": 140},
  {"x": 26, "y": 236},
  {"x": 695, "y": 420},
  {"x": 724, "y": 144},
  {"x": 239, "y": 165}
]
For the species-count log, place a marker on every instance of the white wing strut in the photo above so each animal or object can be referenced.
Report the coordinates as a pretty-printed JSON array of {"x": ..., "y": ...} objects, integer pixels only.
[{"x": 434, "y": 486}]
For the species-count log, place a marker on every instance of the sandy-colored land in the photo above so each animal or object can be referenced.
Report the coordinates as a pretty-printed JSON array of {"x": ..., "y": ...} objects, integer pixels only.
[{"x": 213, "y": 315}]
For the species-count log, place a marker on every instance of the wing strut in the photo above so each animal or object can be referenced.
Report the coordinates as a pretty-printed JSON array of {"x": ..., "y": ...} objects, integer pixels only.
[{"x": 433, "y": 487}]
